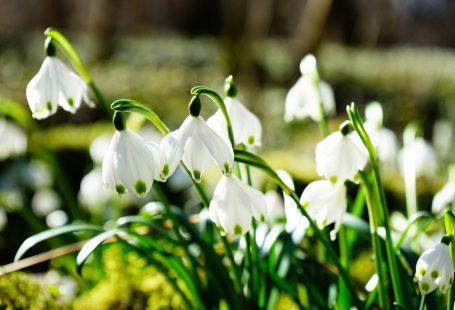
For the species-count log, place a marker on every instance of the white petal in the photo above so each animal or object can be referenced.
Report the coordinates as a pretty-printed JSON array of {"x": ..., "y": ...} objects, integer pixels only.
[
  {"x": 171, "y": 153},
  {"x": 110, "y": 179},
  {"x": 245, "y": 125},
  {"x": 219, "y": 149},
  {"x": 444, "y": 198},
  {"x": 196, "y": 157}
]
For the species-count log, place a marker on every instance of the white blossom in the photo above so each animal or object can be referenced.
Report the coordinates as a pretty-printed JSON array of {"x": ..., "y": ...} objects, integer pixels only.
[
  {"x": 444, "y": 198},
  {"x": 339, "y": 157},
  {"x": 55, "y": 85},
  {"x": 435, "y": 269},
  {"x": 202, "y": 145},
  {"x": 246, "y": 126},
  {"x": 13, "y": 139},
  {"x": 90, "y": 195},
  {"x": 234, "y": 205},
  {"x": 170, "y": 153},
  {"x": 420, "y": 157},
  {"x": 326, "y": 203},
  {"x": 129, "y": 164}
]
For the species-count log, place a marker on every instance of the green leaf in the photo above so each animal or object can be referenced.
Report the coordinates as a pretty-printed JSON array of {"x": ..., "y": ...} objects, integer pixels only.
[
  {"x": 128, "y": 105},
  {"x": 17, "y": 112},
  {"x": 64, "y": 44},
  {"x": 45, "y": 235},
  {"x": 92, "y": 245}
]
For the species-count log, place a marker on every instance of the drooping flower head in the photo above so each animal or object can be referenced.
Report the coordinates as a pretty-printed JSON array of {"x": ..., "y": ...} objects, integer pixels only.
[
  {"x": 202, "y": 145},
  {"x": 129, "y": 163},
  {"x": 445, "y": 198},
  {"x": 305, "y": 96},
  {"x": 13, "y": 139},
  {"x": 341, "y": 155},
  {"x": 246, "y": 126},
  {"x": 435, "y": 269},
  {"x": 326, "y": 203},
  {"x": 55, "y": 85},
  {"x": 234, "y": 205},
  {"x": 420, "y": 157}
]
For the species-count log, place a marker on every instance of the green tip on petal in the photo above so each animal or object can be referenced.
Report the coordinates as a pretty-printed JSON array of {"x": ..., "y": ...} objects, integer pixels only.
[
  {"x": 238, "y": 230},
  {"x": 70, "y": 102},
  {"x": 49, "y": 106},
  {"x": 305, "y": 204},
  {"x": 422, "y": 272},
  {"x": 251, "y": 140},
  {"x": 165, "y": 172},
  {"x": 120, "y": 189},
  {"x": 434, "y": 274},
  {"x": 227, "y": 168},
  {"x": 262, "y": 218},
  {"x": 333, "y": 179},
  {"x": 197, "y": 176},
  {"x": 425, "y": 287},
  {"x": 140, "y": 187}
]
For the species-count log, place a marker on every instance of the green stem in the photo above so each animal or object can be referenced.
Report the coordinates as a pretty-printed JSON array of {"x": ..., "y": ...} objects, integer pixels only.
[
  {"x": 323, "y": 127},
  {"x": 356, "y": 120},
  {"x": 422, "y": 302},
  {"x": 376, "y": 242}
]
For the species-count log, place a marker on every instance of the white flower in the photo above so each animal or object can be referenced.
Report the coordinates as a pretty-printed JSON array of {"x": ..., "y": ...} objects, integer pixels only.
[
  {"x": 435, "y": 269},
  {"x": 275, "y": 207},
  {"x": 202, "y": 145},
  {"x": 170, "y": 153},
  {"x": 98, "y": 148},
  {"x": 339, "y": 157},
  {"x": 246, "y": 126},
  {"x": 14, "y": 139},
  {"x": 54, "y": 85},
  {"x": 303, "y": 98},
  {"x": 234, "y": 205},
  {"x": 444, "y": 198},
  {"x": 420, "y": 157},
  {"x": 90, "y": 195},
  {"x": 296, "y": 222},
  {"x": 383, "y": 139},
  {"x": 129, "y": 164},
  {"x": 326, "y": 203}
]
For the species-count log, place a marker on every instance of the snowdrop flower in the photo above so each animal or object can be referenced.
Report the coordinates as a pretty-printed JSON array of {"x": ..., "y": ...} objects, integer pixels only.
[
  {"x": 419, "y": 156},
  {"x": 296, "y": 223},
  {"x": 326, "y": 203},
  {"x": 202, "y": 145},
  {"x": 435, "y": 269},
  {"x": 170, "y": 153},
  {"x": 275, "y": 207},
  {"x": 446, "y": 196},
  {"x": 303, "y": 99},
  {"x": 341, "y": 155},
  {"x": 129, "y": 163},
  {"x": 383, "y": 139},
  {"x": 89, "y": 193},
  {"x": 235, "y": 204},
  {"x": 55, "y": 85},
  {"x": 246, "y": 126},
  {"x": 14, "y": 139}
]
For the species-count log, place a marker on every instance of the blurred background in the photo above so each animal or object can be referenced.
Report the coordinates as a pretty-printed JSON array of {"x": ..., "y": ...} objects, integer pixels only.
[{"x": 400, "y": 53}]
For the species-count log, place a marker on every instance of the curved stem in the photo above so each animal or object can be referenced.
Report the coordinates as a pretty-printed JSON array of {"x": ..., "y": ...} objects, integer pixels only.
[{"x": 202, "y": 90}]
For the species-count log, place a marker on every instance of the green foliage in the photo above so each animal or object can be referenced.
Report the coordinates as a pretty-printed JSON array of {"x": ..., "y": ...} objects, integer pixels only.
[
  {"x": 130, "y": 283},
  {"x": 20, "y": 291}
]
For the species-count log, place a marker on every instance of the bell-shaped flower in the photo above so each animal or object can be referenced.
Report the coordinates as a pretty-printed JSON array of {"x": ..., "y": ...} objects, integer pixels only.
[
  {"x": 14, "y": 139},
  {"x": 129, "y": 164},
  {"x": 246, "y": 126},
  {"x": 340, "y": 156},
  {"x": 383, "y": 139},
  {"x": 306, "y": 95},
  {"x": 420, "y": 157},
  {"x": 170, "y": 153},
  {"x": 234, "y": 205},
  {"x": 326, "y": 203},
  {"x": 435, "y": 269},
  {"x": 202, "y": 145},
  {"x": 303, "y": 100},
  {"x": 445, "y": 198},
  {"x": 55, "y": 85}
]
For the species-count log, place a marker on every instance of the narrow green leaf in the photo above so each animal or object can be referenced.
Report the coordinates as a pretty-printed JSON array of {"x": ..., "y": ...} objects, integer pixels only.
[
  {"x": 91, "y": 246},
  {"x": 45, "y": 235}
]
